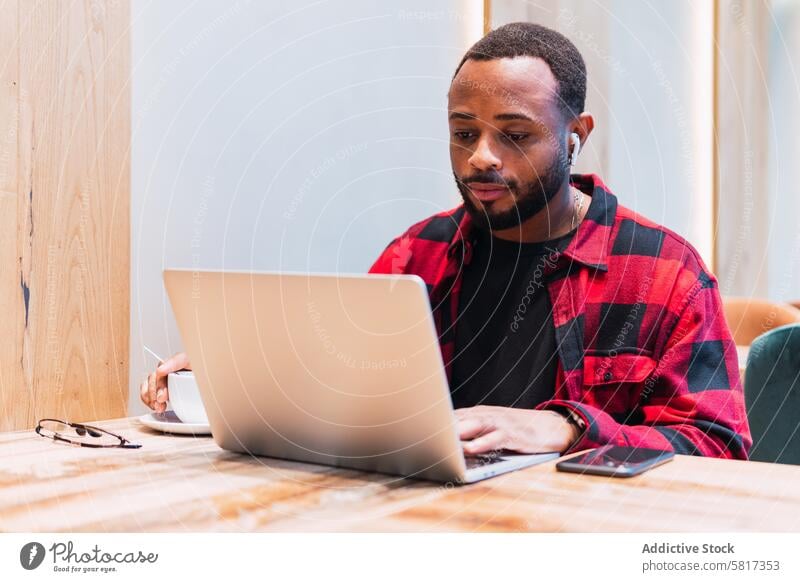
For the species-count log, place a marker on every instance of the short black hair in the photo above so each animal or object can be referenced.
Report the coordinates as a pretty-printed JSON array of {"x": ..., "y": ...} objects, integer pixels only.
[{"x": 534, "y": 40}]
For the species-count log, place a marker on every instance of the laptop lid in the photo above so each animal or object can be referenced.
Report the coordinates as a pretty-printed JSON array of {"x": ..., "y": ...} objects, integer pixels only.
[{"x": 342, "y": 370}]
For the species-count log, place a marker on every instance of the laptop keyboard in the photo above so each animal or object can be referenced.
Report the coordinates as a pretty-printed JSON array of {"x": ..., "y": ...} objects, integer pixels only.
[{"x": 476, "y": 461}]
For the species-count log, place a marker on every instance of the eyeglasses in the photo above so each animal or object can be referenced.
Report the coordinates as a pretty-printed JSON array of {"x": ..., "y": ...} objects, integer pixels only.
[{"x": 82, "y": 435}]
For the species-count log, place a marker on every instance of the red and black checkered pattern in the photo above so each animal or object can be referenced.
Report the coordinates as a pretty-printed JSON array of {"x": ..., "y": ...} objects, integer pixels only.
[{"x": 645, "y": 356}]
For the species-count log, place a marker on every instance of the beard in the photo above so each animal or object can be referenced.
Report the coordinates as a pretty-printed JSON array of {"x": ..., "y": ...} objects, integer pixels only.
[{"x": 530, "y": 198}]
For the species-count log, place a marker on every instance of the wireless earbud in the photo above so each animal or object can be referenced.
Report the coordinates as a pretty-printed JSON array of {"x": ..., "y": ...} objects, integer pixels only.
[{"x": 575, "y": 140}]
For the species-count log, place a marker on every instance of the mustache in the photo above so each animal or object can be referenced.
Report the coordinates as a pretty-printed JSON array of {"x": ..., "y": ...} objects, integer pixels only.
[{"x": 487, "y": 178}]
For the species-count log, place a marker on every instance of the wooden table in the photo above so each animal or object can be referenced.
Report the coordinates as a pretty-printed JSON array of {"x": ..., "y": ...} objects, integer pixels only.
[{"x": 178, "y": 484}]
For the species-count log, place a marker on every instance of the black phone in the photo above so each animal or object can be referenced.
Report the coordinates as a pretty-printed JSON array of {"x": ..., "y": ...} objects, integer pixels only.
[{"x": 614, "y": 461}]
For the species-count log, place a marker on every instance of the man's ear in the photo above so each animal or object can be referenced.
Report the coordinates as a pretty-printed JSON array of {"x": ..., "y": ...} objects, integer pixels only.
[{"x": 583, "y": 125}]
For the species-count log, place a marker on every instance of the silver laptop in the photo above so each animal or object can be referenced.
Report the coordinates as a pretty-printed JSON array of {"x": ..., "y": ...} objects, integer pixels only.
[{"x": 341, "y": 370}]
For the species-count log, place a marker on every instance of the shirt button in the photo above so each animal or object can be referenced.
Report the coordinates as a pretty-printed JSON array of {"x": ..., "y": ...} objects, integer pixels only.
[{"x": 607, "y": 376}]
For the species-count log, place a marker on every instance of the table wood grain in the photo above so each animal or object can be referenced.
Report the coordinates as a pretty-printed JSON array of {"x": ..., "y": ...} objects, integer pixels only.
[{"x": 188, "y": 484}]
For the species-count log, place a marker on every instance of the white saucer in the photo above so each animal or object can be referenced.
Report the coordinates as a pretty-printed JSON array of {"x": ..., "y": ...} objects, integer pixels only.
[{"x": 168, "y": 422}]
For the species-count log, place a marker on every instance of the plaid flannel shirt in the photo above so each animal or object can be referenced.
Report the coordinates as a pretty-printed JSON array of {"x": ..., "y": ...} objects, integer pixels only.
[{"x": 645, "y": 356}]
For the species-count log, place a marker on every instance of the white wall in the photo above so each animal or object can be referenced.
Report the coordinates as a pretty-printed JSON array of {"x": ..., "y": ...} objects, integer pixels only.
[
  {"x": 783, "y": 201},
  {"x": 291, "y": 135},
  {"x": 661, "y": 148}
]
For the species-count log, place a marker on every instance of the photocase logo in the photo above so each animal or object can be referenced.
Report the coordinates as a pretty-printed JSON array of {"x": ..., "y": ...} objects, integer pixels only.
[{"x": 31, "y": 555}]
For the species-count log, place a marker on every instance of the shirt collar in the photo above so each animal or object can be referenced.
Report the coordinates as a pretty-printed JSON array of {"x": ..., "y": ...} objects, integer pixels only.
[{"x": 590, "y": 245}]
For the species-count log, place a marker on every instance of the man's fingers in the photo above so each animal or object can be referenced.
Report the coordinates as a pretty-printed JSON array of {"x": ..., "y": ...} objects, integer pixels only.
[
  {"x": 150, "y": 397},
  {"x": 492, "y": 441},
  {"x": 144, "y": 393},
  {"x": 477, "y": 431},
  {"x": 469, "y": 428},
  {"x": 157, "y": 392},
  {"x": 151, "y": 389},
  {"x": 471, "y": 411},
  {"x": 162, "y": 395},
  {"x": 179, "y": 361}
]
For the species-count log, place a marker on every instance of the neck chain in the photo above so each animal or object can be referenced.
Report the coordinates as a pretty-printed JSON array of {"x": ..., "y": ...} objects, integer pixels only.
[{"x": 578, "y": 207}]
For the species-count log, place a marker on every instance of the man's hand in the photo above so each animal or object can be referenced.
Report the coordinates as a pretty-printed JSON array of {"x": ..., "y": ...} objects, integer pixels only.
[
  {"x": 153, "y": 390},
  {"x": 490, "y": 428}
]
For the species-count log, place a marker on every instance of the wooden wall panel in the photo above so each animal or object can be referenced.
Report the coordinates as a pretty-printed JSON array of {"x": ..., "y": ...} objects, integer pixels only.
[
  {"x": 11, "y": 307},
  {"x": 64, "y": 274}
]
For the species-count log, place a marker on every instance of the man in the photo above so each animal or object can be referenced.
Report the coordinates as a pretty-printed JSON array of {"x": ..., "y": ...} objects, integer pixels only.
[{"x": 566, "y": 321}]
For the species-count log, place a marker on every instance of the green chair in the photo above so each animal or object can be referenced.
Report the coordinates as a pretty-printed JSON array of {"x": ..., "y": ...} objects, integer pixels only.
[{"x": 772, "y": 395}]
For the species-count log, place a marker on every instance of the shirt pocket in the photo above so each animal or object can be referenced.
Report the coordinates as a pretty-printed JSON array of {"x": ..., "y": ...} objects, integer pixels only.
[{"x": 615, "y": 382}]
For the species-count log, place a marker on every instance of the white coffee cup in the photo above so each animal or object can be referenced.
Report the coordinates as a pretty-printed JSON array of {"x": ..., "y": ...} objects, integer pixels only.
[{"x": 184, "y": 396}]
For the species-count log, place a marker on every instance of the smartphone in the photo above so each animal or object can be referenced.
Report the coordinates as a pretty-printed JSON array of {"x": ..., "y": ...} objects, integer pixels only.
[{"x": 616, "y": 461}]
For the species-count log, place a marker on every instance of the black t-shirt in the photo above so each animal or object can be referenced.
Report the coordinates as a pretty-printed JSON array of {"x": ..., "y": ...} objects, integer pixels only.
[{"x": 505, "y": 339}]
